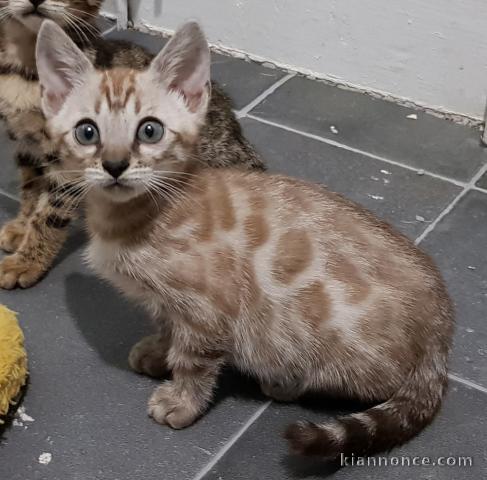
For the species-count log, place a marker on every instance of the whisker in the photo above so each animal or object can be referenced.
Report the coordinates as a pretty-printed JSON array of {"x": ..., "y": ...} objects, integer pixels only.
[
  {"x": 156, "y": 172},
  {"x": 5, "y": 13},
  {"x": 75, "y": 27},
  {"x": 151, "y": 195},
  {"x": 175, "y": 192},
  {"x": 182, "y": 182},
  {"x": 82, "y": 24},
  {"x": 89, "y": 14}
]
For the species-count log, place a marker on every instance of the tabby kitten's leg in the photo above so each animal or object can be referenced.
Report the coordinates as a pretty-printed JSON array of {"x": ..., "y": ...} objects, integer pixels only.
[
  {"x": 179, "y": 402},
  {"x": 149, "y": 355},
  {"x": 27, "y": 129},
  {"x": 45, "y": 233},
  {"x": 12, "y": 233}
]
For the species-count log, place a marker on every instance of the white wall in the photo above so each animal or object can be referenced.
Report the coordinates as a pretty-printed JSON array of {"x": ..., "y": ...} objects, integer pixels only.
[
  {"x": 110, "y": 7},
  {"x": 433, "y": 52},
  {"x": 116, "y": 9}
]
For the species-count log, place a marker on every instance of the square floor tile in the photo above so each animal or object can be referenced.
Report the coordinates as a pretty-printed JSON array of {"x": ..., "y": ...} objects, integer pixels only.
[
  {"x": 243, "y": 81},
  {"x": 458, "y": 245},
  {"x": 459, "y": 430},
  {"x": 376, "y": 126},
  {"x": 400, "y": 196}
]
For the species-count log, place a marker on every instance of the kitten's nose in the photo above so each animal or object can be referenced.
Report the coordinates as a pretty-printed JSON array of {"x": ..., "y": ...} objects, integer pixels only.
[
  {"x": 36, "y": 3},
  {"x": 115, "y": 168}
]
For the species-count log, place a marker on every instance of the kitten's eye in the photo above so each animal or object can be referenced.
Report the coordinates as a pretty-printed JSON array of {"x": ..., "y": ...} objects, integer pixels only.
[
  {"x": 150, "y": 131},
  {"x": 87, "y": 133}
]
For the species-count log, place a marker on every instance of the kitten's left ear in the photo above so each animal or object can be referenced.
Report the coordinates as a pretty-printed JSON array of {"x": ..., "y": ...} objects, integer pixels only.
[
  {"x": 184, "y": 65},
  {"x": 61, "y": 66}
]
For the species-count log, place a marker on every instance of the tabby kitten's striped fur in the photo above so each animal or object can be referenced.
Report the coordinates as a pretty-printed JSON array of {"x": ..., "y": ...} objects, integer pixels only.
[
  {"x": 286, "y": 281},
  {"x": 36, "y": 235}
]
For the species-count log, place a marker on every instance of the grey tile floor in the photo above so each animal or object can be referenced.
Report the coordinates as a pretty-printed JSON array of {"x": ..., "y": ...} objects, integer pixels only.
[{"x": 426, "y": 176}]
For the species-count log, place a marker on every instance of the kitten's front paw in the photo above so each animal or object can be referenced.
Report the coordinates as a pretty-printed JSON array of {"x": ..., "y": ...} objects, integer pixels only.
[
  {"x": 16, "y": 270},
  {"x": 11, "y": 236},
  {"x": 169, "y": 406},
  {"x": 149, "y": 356}
]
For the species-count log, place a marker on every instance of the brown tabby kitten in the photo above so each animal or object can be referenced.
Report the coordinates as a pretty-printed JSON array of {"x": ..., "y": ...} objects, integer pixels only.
[
  {"x": 40, "y": 229},
  {"x": 286, "y": 281}
]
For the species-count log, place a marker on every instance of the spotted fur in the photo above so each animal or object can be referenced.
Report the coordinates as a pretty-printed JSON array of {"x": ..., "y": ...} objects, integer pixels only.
[
  {"x": 280, "y": 278},
  {"x": 36, "y": 235}
]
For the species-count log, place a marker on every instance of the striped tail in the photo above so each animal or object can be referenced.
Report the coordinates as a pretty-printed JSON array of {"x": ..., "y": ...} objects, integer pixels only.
[{"x": 382, "y": 427}]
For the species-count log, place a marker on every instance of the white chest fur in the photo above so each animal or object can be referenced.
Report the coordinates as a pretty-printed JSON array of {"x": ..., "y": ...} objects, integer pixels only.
[{"x": 127, "y": 268}]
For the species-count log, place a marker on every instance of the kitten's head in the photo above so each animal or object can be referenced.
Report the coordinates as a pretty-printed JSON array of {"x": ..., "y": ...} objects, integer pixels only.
[
  {"x": 120, "y": 132},
  {"x": 73, "y": 14}
]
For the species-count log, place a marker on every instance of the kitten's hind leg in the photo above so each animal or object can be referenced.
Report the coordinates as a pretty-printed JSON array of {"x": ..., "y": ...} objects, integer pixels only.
[
  {"x": 282, "y": 391},
  {"x": 149, "y": 355}
]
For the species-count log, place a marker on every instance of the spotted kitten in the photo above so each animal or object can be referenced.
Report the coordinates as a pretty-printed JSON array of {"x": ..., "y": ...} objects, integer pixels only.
[
  {"x": 286, "y": 281},
  {"x": 36, "y": 235}
]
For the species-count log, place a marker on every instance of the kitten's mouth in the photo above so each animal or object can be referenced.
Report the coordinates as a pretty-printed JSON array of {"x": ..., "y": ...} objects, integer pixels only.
[
  {"x": 34, "y": 12},
  {"x": 117, "y": 185}
]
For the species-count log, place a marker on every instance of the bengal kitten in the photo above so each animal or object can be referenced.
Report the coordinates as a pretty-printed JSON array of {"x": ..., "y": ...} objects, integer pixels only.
[
  {"x": 280, "y": 278},
  {"x": 37, "y": 234}
]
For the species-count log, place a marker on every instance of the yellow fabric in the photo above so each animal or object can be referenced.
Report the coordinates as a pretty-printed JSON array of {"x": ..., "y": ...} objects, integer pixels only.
[{"x": 13, "y": 359}]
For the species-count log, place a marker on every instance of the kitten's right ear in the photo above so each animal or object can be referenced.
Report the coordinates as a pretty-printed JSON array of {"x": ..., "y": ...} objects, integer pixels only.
[{"x": 61, "y": 66}]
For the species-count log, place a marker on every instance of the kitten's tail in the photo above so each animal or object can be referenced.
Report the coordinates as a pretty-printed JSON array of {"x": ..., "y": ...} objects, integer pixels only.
[{"x": 384, "y": 426}]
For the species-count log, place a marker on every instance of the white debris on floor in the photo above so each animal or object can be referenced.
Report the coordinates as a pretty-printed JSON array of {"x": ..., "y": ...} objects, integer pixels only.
[
  {"x": 471, "y": 267},
  {"x": 376, "y": 197},
  {"x": 45, "y": 458},
  {"x": 419, "y": 218},
  {"x": 386, "y": 172},
  {"x": 334, "y": 129},
  {"x": 420, "y": 172},
  {"x": 23, "y": 416},
  {"x": 413, "y": 116},
  {"x": 203, "y": 450}
]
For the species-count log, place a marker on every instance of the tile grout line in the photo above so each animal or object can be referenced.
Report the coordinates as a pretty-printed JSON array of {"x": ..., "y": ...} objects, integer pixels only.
[
  {"x": 9, "y": 195},
  {"x": 268, "y": 91},
  {"x": 219, "y": 455},
  {"x": 479, "y": 189},
  {"x": 466, "y": 382},
  {"x": 109, "y": 30},
  {"x": 450, "y": 207},
  {"x": 334, "y": 143}
]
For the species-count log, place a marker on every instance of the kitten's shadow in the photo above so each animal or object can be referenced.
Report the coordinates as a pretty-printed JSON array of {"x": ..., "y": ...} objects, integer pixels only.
[
  {"x": 310, "y": 467},
  {"x": 110, "y": 324},
  {"x": 76, "y": 240}
]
